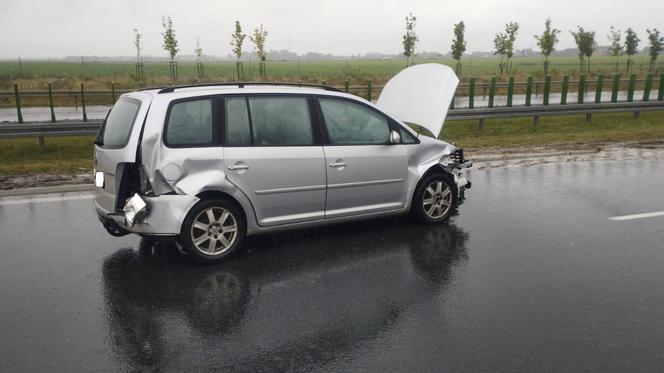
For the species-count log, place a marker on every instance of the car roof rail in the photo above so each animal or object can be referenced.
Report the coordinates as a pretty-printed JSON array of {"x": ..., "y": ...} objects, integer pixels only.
[{"x": 242, "y": 85}]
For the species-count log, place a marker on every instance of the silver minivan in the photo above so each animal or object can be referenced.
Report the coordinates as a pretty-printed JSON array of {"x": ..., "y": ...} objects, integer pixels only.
[{"x": 211, "y": 164}]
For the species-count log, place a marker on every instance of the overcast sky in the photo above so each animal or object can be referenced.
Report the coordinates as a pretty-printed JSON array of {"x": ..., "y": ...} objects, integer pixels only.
[{"x": 57, "y": 28}]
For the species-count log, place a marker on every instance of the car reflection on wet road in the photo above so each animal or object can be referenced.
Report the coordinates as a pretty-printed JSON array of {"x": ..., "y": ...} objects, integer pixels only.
[
  {"x": 296, "y": 308},
  {"x": 532, "y": 275}
]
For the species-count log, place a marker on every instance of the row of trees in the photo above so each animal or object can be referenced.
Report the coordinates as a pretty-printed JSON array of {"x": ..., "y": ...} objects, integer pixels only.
[
  {"x": 504, "y": 45},
  {"x": 170, "y": 45}
]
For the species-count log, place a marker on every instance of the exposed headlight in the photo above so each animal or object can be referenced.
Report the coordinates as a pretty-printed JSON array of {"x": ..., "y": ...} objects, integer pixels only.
[{"x": 135, "y": 209}]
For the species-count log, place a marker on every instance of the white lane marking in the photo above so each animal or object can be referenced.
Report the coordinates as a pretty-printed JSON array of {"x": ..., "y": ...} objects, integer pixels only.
[
  {"x": 23, "y": 201},
  {"x": 637, "y": 216}
]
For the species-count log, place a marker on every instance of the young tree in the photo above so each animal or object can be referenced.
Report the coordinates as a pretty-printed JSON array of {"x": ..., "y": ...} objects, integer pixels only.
[
  {"x": 500, "y": 48},
  {"x": 259, "y": 44},
  {"x": 547, "y": 43},
  {"x": 170, "y": 44},
  {"x": 504, "y": 46},
  {"x": 200, "y": 68},
  {"x": 409, "y": 38},
  {"x": 170, "y": 41},
  {"x": 511, "y": 29},
  {"x": 198, "y": 51},
  {"x": 656, "y": 45},
  {"x": 631, "y": 46},
  {"x": 458, "y": 44},
  {"x": 616, "y": 47},
  {"x": 138, "y": 46},
  {"x": 585, "y": 43},
  {"x": 237, "y": 39}
]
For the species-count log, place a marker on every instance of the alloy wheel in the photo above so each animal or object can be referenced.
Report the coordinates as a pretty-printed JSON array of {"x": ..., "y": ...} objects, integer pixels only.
[
  {"x": 437, "y": 199},
  {"x": 214, "y": 231}
]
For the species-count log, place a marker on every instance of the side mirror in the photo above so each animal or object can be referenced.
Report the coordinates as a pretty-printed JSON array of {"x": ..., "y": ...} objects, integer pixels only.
[{"x": 395, "y": 138}]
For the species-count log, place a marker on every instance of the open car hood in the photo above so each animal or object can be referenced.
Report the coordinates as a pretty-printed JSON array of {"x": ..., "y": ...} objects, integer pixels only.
[{"x": 420, "y": 94}]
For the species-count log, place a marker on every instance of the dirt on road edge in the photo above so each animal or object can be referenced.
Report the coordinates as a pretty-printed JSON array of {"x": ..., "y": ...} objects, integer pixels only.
[{"x": 483, "y": 158}]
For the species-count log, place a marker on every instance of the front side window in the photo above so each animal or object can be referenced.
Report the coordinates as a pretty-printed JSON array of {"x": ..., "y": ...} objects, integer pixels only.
[
  {"x": 120, "y": 122},
  {"x": 190, "y": 123},
  {"x": 349, "y": 123},
  {"x": 278, "y": 121},
  {"x": 406, "y": 137}
]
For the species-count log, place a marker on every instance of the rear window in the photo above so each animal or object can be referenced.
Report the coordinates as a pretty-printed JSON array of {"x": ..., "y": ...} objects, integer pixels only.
[
  {"x": 190, "y": 123},
  {"x": 120, "y": 122}
]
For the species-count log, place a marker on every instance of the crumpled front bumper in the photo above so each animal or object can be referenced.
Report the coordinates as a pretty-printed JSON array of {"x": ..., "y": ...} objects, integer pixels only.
[
  {"x": 458, "y": 167},
  {"x": 164, "y": 215}
]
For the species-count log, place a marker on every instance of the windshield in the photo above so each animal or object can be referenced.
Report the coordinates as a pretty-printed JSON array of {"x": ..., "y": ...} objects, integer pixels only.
[{"x": 117, "y": 127}]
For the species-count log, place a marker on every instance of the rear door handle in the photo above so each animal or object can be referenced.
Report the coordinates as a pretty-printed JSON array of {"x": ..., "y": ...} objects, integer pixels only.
[
  {"x": 338, "y": 164},
  {"x": 238, "y": 167}
]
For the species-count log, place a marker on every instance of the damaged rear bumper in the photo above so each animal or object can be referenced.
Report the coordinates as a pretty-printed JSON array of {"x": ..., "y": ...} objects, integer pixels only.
[{"x": 160, "y": 216}]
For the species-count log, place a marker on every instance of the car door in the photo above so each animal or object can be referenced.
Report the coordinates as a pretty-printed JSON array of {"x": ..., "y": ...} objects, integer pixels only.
[
  {"x": 365, "y": 173},
  {"x": 273, "y": 154}
]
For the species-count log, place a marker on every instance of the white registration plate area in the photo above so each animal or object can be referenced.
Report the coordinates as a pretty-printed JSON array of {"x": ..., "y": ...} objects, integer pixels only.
[{"x": 99, "y": 179}]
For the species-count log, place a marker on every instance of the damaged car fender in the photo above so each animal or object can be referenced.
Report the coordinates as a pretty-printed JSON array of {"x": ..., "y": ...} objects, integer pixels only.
[
  {"x": 430, "y": 154},
  {"x": 206, "y": 181}
]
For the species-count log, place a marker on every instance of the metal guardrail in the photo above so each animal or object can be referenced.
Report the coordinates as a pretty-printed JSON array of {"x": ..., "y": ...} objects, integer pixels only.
[
  {"x": 538, "y": 111},
  {"x": 552, "y": 110},
  {"x": 49, "y": 129},
  {"x": 78, "y": 128}
]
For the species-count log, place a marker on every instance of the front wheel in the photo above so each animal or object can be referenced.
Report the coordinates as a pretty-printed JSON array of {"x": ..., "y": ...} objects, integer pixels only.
[
  {"x": 435, "y": 199},
  {"x": 212, "y": 230}
]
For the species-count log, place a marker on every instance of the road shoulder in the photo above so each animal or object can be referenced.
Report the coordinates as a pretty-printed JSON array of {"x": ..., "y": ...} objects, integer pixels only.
[{"x": 483, "y": 158}]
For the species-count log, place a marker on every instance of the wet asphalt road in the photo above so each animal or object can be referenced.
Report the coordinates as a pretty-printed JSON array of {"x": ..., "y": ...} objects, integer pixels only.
[{"x": 530, "y": 276}]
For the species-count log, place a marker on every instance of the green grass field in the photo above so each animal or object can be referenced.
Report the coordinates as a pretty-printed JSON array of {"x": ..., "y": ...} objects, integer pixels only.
[
  {"x": 71, "y": 155},
  {"x": 35, "y": 74},
  {"x": 23, "y": 156}
]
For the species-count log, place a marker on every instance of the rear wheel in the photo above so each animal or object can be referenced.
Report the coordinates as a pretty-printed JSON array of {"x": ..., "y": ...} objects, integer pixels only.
[
  {"x": 213, "y": 230},
  {"x": 435, "y": 199}
]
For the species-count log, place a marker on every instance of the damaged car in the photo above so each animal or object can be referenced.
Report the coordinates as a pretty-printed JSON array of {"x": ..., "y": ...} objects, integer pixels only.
[{"x": 211, "y": 164}]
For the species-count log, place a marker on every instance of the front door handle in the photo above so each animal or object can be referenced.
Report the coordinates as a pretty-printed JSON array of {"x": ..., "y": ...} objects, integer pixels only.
[
  {"x": 238, "y": 167},
  {"x": 338, "y": 164}
]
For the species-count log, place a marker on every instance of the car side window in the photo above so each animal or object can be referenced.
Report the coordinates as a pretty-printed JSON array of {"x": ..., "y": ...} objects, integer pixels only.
[
  {"x": 349, "y": 123},
  {"x": 237, "y": 126},
  {"x": 278, "y": 121},
  {"x": 406, "y": 137},
  {"x": 190, "y": 123}
]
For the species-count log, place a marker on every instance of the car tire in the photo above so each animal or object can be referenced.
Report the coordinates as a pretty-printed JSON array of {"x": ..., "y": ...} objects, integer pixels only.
[
  {"x": 436, "y": 199},
  {"x": 213, "y": 230}
]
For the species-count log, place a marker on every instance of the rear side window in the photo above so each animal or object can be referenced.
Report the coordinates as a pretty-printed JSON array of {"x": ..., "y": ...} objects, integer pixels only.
[
  {"x": 238, "y": 131},
  {"x": 280, "y": 121},
  {"x": 190, "y": 123},
  {"x": 119, "y": 123},
  {"x": 349, "y": 123},
  {"x": 268, "y": 121}
]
